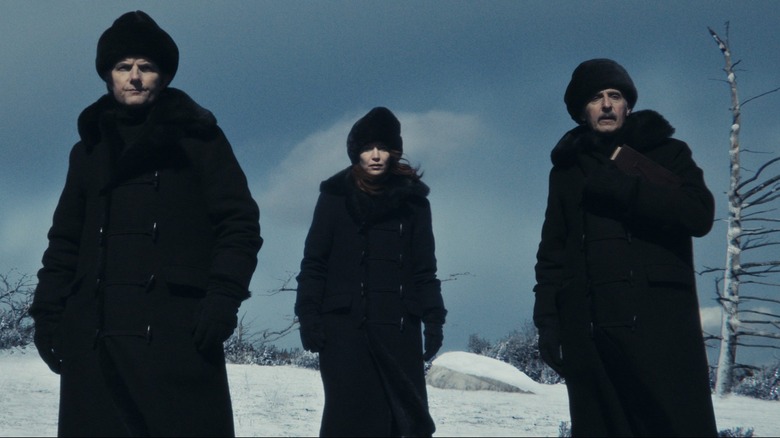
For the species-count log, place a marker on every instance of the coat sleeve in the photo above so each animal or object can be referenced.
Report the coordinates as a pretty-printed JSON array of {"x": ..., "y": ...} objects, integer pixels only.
[
  {"x": 687, "y": 209},
  {"x": 550, "y": 259},
  {"x": 235, "y": 219},
  {"x": 427, "y": 285},
  {"x": 314, "y": 266},
  {"x": 60, "y": 260}
]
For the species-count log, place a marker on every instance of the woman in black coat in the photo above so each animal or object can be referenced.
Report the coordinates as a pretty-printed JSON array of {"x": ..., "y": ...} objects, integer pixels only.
[
  {"x": 152, "y": 247},
  {"x": 367, "y": 284}
]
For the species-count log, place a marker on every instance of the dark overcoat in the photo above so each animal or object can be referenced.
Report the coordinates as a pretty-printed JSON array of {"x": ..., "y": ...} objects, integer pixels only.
[
  {"x": 615, "y": 276},
  {"x": 150, "y": 221},
  {"x": 369, "y": 272}
]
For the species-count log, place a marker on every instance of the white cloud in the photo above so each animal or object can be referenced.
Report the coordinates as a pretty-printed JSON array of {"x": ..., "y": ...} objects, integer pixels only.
[
  {"x": 710, "y": 319},
  {"x": 432, "y": 138}
]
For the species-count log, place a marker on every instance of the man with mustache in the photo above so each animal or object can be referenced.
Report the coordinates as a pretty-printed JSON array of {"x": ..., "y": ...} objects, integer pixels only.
[
  {"x": 151, "y": 250},
  {"x": 616, "y": 304}
]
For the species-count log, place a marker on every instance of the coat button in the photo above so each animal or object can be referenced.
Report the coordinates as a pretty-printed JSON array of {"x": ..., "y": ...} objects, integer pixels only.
[{"x": 149, "y": 283}]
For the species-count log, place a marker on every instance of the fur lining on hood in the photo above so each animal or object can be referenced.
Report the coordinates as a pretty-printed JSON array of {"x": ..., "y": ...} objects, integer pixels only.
[
  {"x": 644, "y": 130},
  {"x": 366, "y": 209}
]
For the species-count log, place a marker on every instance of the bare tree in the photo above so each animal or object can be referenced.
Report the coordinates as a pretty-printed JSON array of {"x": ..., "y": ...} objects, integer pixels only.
[
  {"x": 752, "y": 227},
  {"x": 16, "y": 294}
]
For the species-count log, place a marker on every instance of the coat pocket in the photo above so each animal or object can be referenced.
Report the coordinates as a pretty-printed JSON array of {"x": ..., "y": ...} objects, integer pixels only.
[
  {"x": 336, "y": 303},
  {"x": 186, "y": 280},
  {"x": 413, "y": 307},
  {"x": 669, "y": 275}
]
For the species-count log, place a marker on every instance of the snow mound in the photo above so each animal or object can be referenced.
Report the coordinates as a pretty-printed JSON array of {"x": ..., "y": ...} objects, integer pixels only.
[{"x": 472, "y": 372}]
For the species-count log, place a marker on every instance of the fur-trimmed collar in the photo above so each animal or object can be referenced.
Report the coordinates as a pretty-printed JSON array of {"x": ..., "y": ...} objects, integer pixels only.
[
  {"x": 643, "y": 130},
  {"x": 174, "y": 108},
  {"x": 160, "y": 130},
  {"x": 365, "y": 208}
]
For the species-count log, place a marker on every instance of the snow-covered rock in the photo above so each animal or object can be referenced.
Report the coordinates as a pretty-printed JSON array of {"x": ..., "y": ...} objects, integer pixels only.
[{"x": 472, "y": 372}]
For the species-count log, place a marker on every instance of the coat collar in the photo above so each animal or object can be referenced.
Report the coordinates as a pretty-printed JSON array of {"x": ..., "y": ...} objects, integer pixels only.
[
  {"x": 644, "y": 130},
  {"x": 174, "y": 116},
  {"x": 365, "y": 208},
  {"x": 173, "y": 109}
]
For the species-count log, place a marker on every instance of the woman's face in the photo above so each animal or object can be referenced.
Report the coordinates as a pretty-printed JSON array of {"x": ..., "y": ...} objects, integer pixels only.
[{"x": 375, "y": 159}]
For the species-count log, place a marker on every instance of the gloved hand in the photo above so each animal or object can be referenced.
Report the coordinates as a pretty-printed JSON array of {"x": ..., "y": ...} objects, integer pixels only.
[
  {"x": 550, "y": 348},
  {"x": 44, "y": 342},
  {"x": 606, "y": 185},
  {"x": 434, "y": 337},
  {"x": 312, "y": 333},
  {"x": 216, "y": 320}
]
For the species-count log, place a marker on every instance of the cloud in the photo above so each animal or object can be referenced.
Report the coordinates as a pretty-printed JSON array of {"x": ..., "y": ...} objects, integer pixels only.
[
  {"x": 433, "y": 138},
  {"x": 710, "y": 319}
]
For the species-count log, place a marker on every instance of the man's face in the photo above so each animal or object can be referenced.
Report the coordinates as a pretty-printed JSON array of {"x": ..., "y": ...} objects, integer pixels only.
[
  {"x": 136, "y": 81},
  {"x": 606, "y": 111}
]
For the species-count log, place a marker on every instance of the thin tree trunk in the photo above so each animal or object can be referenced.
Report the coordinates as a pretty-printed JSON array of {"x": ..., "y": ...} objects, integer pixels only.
[{"x": 729, "y": 297}]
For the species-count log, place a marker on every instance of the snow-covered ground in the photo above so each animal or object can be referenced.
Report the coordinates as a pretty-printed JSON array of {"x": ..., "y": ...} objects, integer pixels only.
[{"x": 287, "y": 401}]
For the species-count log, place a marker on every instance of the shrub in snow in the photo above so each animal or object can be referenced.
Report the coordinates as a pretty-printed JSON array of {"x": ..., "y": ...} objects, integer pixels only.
[
  {"x": 736, "y": 432},
  {"x": 16, "y": 325},
  {"x": 564, "y": 430},
  {"x": 242, "y": 352},
  {"x": 520, "y": 348},
  {"x": 763, "y": 383},
  {"x": 306, "y": 359}
]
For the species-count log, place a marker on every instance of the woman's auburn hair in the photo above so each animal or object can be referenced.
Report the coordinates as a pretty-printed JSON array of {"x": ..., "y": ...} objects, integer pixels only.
[{"x": 397, "y": 165}]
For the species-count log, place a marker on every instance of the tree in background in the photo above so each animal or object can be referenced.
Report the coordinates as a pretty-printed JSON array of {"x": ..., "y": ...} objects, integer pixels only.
[
  {"x": 16, "y": 326},
  {"x": 520, "y": 348},
  {"x": 749, "y": 320}
]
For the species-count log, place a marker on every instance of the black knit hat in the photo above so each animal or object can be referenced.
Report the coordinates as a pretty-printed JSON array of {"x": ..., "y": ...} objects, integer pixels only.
[
  {"x": 592, "y": 76},
  {"x": 381, "y": 125},
  {"x": 136, "y": 34}
]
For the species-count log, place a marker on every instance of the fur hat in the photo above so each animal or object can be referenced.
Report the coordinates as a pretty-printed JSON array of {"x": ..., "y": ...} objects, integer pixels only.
[
  {"x": 381, "y": 125},
  {"x": 136, "y": 34},
  {"x": 592, "y": 76}
]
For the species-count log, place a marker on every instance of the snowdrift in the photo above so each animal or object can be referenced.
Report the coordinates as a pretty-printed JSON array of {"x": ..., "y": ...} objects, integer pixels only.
[{"x": 472, "y": 372}]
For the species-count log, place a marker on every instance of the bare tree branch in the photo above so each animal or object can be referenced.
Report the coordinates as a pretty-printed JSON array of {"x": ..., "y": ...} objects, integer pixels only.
[{"x": 760, "y": 95}]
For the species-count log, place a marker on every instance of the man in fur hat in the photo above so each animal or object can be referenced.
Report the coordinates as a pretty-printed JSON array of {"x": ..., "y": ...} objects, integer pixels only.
[
  {"x": 616, "y": 304},
  {"x": 152, "y": 247}
]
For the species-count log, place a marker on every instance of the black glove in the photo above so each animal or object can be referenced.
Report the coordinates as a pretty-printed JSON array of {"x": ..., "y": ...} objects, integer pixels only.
[
  {"x": 216, "y": 320},
  {"x": 44, "y": 342},
  {"x": 312, "y": 333},
  {"x": 434, "y": 337},
  {"x": 550, "y": 348},
  {"x": 607, "y": 186}
]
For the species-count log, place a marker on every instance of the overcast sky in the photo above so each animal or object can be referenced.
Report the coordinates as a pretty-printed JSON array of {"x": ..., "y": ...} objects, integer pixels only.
[{"x": 478, "y": 87}]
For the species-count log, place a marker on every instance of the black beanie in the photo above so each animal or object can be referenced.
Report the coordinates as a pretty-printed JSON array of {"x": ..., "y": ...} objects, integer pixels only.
[
  {"x": 592, "y": 76},
  {"x": 381, "y": 125},
  {"x": 136, "y": 34}
]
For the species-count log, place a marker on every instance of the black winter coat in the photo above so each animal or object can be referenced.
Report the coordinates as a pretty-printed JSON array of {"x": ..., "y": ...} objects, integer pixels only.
[
  {"x": 143, "y": 231},
  {"x": 369, "y": 274},
  {"x": 615, "y": 281}
]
